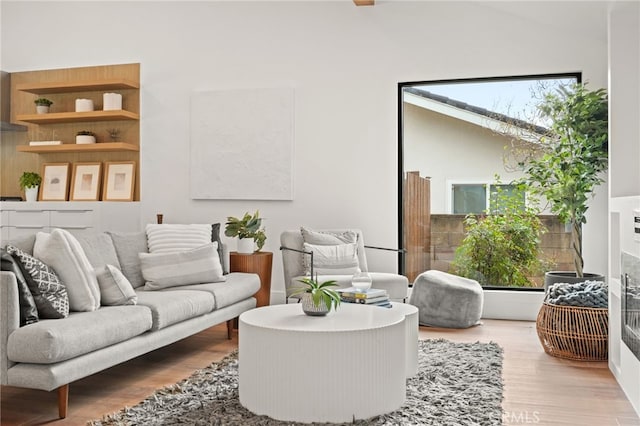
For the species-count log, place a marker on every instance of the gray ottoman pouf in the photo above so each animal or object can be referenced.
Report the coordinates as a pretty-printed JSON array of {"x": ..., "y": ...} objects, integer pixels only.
[{"x": 446, "y": 300}]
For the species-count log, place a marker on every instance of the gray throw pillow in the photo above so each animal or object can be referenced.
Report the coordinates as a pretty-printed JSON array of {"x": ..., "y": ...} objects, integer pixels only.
[
  {"x": 196, "y": 266},
  {"x": 115, "y": 288},
  {"x": 28, "y": 308},
  {"x": 128, "y": 245},
  {"x": 48, "y": 292}
]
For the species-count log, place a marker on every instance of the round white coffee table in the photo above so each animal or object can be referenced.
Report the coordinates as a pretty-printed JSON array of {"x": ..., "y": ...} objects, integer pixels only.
[{"x": 349, "y": 364}]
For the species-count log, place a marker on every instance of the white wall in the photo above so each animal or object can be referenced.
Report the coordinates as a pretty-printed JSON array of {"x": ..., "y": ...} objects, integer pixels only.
[{"x": 344, "y": 63}]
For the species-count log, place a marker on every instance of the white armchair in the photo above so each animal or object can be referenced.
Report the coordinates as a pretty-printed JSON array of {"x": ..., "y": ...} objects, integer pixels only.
[{"x": 293, "y": 253}]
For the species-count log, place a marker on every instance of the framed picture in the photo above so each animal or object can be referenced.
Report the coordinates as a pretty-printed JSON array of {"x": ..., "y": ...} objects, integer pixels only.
[
  {"x": 55, "y": 182},
  {"x": 119, "y": 181},
  {"x": 85, "y": 182}
]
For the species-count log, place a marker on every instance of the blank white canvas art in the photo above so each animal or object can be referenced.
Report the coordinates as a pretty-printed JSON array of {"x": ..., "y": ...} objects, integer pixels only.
[{"x": 242, "y": 144}]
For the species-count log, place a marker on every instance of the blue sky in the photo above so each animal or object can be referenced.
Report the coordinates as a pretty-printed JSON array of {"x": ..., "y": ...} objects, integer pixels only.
[{"x": 514, "y": 97}]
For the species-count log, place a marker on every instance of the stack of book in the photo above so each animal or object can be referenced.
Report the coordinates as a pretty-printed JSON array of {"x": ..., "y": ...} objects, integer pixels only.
[{"x": 372, "y": 296}]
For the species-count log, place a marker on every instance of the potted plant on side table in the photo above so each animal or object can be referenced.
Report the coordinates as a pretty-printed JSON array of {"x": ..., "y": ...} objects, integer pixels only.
[
  {"x": 30, "y": 183},
  {"x": 572, "y": 163},
  {"x": 317, "y": 298},
  {"x": 249, "y": 231}
]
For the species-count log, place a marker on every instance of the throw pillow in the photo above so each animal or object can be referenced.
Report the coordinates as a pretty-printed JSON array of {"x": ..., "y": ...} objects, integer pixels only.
[
  {"x": 99, "y": 249},
  {"x": 325, "y": 238},
  {"x": 28, "y": 308},
  {"x": 215, "y": 238},
  {"x": 339, "y": 259},
  {"x": 62, "y": 251},
  {"x": 49, "y": 294},
  {"x": 196, "y": 266},
  {"x": 328, "y": 238},
  {"x": 128, "y": 245},
  {"x": 171, "y": 238},
  {"x": 115, "y": 288}
]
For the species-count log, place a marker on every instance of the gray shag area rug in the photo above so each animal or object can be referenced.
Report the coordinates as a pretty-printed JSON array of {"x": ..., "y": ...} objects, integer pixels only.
[{"x": 456, "y": 384}]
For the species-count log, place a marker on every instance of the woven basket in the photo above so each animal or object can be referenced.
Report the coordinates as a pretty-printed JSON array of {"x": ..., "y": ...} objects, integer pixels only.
[{"x": 574, "y": 332}]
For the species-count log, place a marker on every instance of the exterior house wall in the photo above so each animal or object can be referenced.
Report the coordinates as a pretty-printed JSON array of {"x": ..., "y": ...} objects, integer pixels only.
[{"x": 450, "y": 150}]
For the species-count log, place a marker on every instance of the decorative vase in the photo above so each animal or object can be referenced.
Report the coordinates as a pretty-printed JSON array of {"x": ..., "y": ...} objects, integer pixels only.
[
  {"x": 361, "y": 281},
  {"x": 310, "y": 309},
  {"x": 245, "y": 245},
  {"x": 42, "y": 109},
  {"x": 85, "y": 139},
  {"x": 31, "y": 193},
  {"x": 84, "y": 105}
]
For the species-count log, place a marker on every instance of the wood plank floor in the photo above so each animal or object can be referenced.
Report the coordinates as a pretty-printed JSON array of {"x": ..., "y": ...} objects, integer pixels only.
[{"x": 539, "y": 389}]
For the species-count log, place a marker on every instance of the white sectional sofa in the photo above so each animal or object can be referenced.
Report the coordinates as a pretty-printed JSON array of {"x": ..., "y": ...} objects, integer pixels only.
[{"x": 52, "y": 353}]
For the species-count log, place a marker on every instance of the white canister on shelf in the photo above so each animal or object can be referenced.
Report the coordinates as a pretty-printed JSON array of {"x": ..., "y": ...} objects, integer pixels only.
[
  {"x": 84, "y": 105},
  {"x": 111, "y": 101}
]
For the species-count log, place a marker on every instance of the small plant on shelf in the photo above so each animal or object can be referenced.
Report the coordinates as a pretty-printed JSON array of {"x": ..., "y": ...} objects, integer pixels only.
[
  {"x": 114, "y": 134},
  {"x": 30, "y": 180},
  {"x": 85, "y": 137},
  {"x": 43, "y": 102}
]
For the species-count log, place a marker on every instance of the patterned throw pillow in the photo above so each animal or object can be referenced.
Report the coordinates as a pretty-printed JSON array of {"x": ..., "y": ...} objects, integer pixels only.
[{"x": 48, "y": 292}]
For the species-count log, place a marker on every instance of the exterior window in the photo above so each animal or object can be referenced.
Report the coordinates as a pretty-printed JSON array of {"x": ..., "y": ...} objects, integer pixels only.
[{"x": 474, "y": 197}]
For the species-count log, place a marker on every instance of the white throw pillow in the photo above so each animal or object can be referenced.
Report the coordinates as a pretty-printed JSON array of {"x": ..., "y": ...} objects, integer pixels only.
[
  {"x": 171, "y": 238},
  {"x": 339, "y": 259},
  {"x": 115, "y": 288},
  {"x": 325, "y": 238},
  {"x": 62, "y": 251},
  {"x": 200, "y": 265}
]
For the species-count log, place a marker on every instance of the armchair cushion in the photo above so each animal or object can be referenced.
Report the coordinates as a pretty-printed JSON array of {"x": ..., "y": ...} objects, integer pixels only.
[{"x": 339, "y": 259}]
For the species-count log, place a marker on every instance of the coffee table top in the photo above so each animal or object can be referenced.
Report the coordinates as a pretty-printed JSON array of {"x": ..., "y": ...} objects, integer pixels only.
[{"x": 348, "y": 317}]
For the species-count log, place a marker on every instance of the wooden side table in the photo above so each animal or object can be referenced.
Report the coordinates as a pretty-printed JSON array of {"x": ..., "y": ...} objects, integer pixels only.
[{"x": 260, "y": 263}]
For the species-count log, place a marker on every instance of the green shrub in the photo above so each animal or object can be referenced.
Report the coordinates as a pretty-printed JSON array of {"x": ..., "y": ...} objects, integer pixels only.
[{"x": 502, "y": 249}]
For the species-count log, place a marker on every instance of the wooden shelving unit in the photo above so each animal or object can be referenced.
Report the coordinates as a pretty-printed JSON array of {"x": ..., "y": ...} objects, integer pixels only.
[
  {"x": 63, "y": 87},
  {"x": 77, "y": 117},
  {"x": 77, "y": 86},
  {"x": 72, "y": 147}
]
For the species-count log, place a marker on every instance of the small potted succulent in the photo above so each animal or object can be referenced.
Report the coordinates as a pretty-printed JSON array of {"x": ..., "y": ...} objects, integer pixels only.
[
  {"x": 248, "y": 229},
  {"x": 317, "y": 297},
  {"x": 85, "y": 137},
  {"x": 42, "y": 105},
  {"x": 30, "y": 182}
]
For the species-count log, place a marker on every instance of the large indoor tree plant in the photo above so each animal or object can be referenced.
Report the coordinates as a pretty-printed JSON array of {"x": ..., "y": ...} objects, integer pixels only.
[{"x": 574, "y": 157}]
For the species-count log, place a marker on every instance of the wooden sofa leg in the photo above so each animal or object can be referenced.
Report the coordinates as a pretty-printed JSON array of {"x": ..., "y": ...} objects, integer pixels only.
[
  {"x": 229, "y": 328},
  {"x": 63, "y": 400}
]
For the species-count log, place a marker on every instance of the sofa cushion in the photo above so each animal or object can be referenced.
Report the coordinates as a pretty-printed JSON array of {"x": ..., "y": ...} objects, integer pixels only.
[
  {"x": 199, "y": 265},
  {"x": 99, "y": 249},
  {"x": 50, "y": 341},
  {"x": 128, "y": 245},
  {"x": 238, "y": 286},
  {"x": 172, "y": 307},
  {"x": 28, "y": 308},
  {"x": 62, "y": 251},
  {"x": 115, "y": 288},
  {"x": 48, "y": 292}
]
